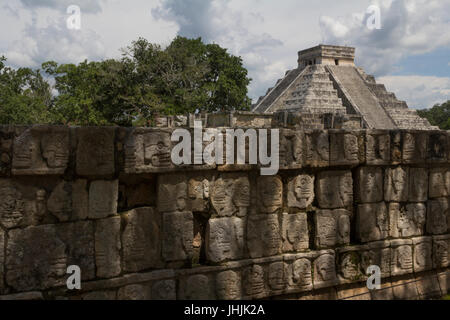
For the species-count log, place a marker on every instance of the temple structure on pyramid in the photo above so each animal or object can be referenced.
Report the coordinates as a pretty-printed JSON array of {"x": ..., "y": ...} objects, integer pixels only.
[{"x": 327, "y": 87}]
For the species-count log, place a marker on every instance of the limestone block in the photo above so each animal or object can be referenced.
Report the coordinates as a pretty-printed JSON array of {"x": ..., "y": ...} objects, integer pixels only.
[
  {"x": 41, "y": 150},
  {"x": 228, "y": 285},
  {"x": 134, "y": 292},
  {"x": 346, "y": 148},
  {"x": 437, "y": 147},
  {"x": 377, "y": 148},
  {"x": 99, "y": 296},
  {"x": 301, "y": 191},
  {"x": 397, "y": 147},
  {"x": 444, "y": 281},
  {"x": 369, "y": 184},
  {"x": 334, "y": 189},
  {"x": 324, "y": 270},
  {"x": 172, "y": 193},
  {"x": 405, "y": 289},
  {"x": 372, "y": 222},
  {"x": 21, "y": 205},
  {"x": 414, "y": 147},
  {"x": 2, "y": 260},
  {"x": 428, "y": 287},
  {"x": 299, "y": 273},
  {"x": 277, "y": 276},
  {"x": 164, "y": 290},
  {"x": 291, "y": 149},
  {"x": 148, "y": 150},
  {"x": 441, "y": 251},
  {"x": 178, "y": 233},
  {"x": 407, "y": 221},
  {"x": 396, "y": 184},
  {"x": 263, "y": 236},
  {"x": 378, "y": 254},
  {"x": 197, "y": 287},
  {"x": 270, "y": 193},
  {"x": 439, "y": 183},
  {"x": 253, "y": 281},
  {"x": 438, "y": 216},
  {"x": 401, "y": 257},
  {"x": 38, "y": 257},
  {"x": 294, "y": 232},
  {"x": 353, "y": 292},
  {"x": 423, "y": 251},
  {"x": 350, "y": 265},
  {"x": 107, "y": 247},
  {"x": 418, "y": 185},
  {"x": 6, "y": 143},
  {"x": 225, "y": 239},
  {"x": 69, "y": 201},
  {"x": 317, "y": 149},
  {"x": 385, "y": 293},
  {"x": 141, "y": 240},
  {"x": 198, "y": 193},
  {"x": 332, "y": 228},
  {"x": 230, "y": 195},
  {"x": 103, "y": 196}
]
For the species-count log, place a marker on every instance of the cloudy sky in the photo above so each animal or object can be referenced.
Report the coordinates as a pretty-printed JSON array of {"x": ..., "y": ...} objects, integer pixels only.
[{"x": 410, "y": 53}]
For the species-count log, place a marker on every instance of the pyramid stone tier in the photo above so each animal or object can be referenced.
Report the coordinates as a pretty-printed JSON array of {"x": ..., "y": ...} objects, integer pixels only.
[{"x": 328, "y": 82}]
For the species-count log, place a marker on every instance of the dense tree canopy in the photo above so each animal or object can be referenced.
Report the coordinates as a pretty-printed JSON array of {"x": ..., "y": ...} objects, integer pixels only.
[
  {"x": 439, "y": 115},
  {"x": 186, "y": 77}
]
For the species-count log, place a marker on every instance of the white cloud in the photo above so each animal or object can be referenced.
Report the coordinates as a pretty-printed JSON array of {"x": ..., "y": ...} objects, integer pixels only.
[
  {"x": 408, "y": 27},
  {"x": 87, "y": 6},
  {"x": 418, "y": 91}
]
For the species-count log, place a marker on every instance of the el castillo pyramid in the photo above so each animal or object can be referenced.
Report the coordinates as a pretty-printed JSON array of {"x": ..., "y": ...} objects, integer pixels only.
[{"x": 327, "y": 82}]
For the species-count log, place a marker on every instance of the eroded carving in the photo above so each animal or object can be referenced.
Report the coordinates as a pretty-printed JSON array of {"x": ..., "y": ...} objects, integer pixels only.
[
  {"x": 301, "y": 191},
  {"x": 224, "y": 239},
  {"x": 332, "y": 228},
  {"x": 294, "y": 232},
  {"x": 263, "y": 236},
  {"x": 335, "y": 189},
  {"x": 372, "y": 222},
  {"x": 178, "y": 233},
  {"x": 270, "y": 193},
  {"x": 396, "y": 184},
  {"x": 228, "y": 285}
]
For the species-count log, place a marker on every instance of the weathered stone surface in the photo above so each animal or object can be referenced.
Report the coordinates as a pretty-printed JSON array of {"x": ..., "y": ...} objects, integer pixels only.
[
  {"x": 164, "y": 290},
  {"x": 423, "y": 250},
  {"x": 441, "y": 251},
  {"x": 378, "y": 254},
  {"x": 270, "y": 193},
  {"x": 198, "y": 193},
  {"x": 353, "y": 292},
  {"x": 80, "y": 200},
  {"x": 418, "y": 185},
  {"x": 324, "y": 269},
  {"x": 253, "y": 283},
  {"x": 230, "y": 195},
  {"x": 444, "y": 281},
  {"x": 299, "y": 274},
  {"x": 396, "y": 184},
  {"x": 370, "y": 184},
  {"x": 148, "y": 150},
  {"x": 107, "y": 247},
  {"x": 291, "y": 149},
  {"x": 60, "y": 202},
  {"x": 38, "y": 257},
  {"x": 332, "y": 228},
  {"x": 428, "y": 287},
  {"x": 141, "y": 240},
  {"x": 437, "y": 147},
  {"x": 385, "y": 293},
  {"x": 277, "y": 276},
  {"x": 95, "y": 151},
  {"x": 438, "y": 216},
  {"x": 439, "y": 183},
  {"x": 414, "y": 147},
  {"x": 301, "y": 191},
  {"x": 2, "y": 260},
  {"x": 197, "y": 287},
  {"x": 225, "y": 239},
  {"x": 41, "y": 150},
  {"x": 137, "y": 292},
  {"x": 103, "y": 196},
  {"x": 99, "y": 296},
  {"x": 178, "y": 233},
  {"x": 317, "y": 149},
  {"x": 350, "y": 264},
  {"x": 21, "y": 205},
  {"x": 172, "y": 193},
  {"x": 372, "y": 222},
  {"x": 377, "y": 148},
  {"x": 294, "y": 232},
  {"x": 346, "y": 148},
  {"x": 334, "y": 189},
  {"x": 401, "y": 257},
  {"x": 407, "y": 221},
  {"x": 228, "y": 285},
  {"x": 405, "y": 289},
  {"x": 263, "y": 236}
]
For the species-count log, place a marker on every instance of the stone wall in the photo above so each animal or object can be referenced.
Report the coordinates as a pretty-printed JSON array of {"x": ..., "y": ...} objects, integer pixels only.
[{"x": 110, "y": 201}]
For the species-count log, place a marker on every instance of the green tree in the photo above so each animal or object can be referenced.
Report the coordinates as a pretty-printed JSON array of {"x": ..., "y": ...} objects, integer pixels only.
[
  {"x": 439, "y": 115},
  {"x": 25, "y": 96}
]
